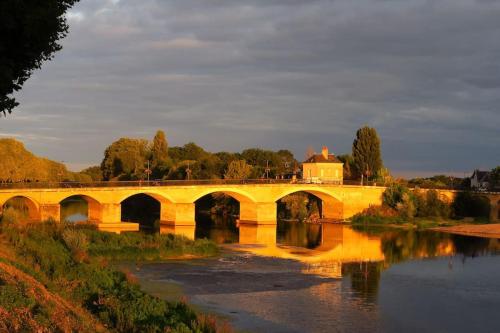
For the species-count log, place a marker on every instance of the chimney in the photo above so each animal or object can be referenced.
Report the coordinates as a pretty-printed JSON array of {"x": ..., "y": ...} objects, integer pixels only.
[{"x": 324, "y": 152}]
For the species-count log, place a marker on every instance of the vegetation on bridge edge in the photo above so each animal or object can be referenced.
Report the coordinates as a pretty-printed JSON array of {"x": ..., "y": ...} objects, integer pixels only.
[
  {"x": 57, "y": 277},
  {"x": 424, "y": 209}
]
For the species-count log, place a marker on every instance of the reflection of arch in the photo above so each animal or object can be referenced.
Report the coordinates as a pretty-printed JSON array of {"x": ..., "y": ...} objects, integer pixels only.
[
  {"x": 332, "y": 207},
  {"x": 31, "y": 204},
  {"x": 94, "y": 207}
]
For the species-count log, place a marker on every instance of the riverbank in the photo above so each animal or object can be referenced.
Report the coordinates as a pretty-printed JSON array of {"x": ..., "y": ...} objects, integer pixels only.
[
  {"x": 57, "y": 277},
  {"x": 478, "y": 230},
  {"x": 416, "y": 222}
]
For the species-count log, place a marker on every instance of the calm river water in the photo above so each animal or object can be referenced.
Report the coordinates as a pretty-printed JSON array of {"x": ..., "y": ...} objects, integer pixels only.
[{"x": 333, "y": 278}]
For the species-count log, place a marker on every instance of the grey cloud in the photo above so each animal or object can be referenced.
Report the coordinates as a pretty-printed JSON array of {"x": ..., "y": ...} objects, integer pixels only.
[{"x": 230, "y": 74}]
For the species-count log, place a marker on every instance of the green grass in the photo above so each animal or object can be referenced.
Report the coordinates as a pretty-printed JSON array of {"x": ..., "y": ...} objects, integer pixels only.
[
  {"x": 72, "y": 262},
  {"x": 140, "y": 246}
]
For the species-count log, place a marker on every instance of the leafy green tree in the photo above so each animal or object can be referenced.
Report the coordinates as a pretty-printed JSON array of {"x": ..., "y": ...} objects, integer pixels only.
[
  {"x": 350, "y": 171},
  {"x": 366, "y": 152},
  {"x": 393, "y": 195},
  {"x": 94, "y": 172},
  {"x": 468, "y": 204},
  {"x": 159, "y": 150},
  {"x": 495, "y": 178},
  {"x": 406, "y": 207},
  {"x": 160, "y": 162},
  {"x": 18, "y": 164},
  {"x": 238, "y": 169},
  {"x": 125, "y": 159},
  {"x": 296, "y": 205},
  {"x": 30, "y": 32}
]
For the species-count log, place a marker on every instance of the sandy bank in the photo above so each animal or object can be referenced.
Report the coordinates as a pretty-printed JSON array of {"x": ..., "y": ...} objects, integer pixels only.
[{"x": 479, "y": 230}]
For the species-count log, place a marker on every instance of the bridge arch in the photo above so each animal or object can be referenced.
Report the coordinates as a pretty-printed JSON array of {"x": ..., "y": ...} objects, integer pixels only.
[
  {"x": 239, "y": 195},
  {"x": 145, "y": 208},
  {"x": 31, "y": 206},
  {"x": 160, "y": 197},
  {"x": 332, "y": 207},
  {"x": 93, "y": 209}
]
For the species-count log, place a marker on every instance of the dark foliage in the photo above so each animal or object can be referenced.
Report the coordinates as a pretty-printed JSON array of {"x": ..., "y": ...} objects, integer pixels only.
[{"x": 30, "y": 31}]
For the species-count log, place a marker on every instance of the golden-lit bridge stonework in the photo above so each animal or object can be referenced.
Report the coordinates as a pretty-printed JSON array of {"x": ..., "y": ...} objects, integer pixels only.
[{"x": 258, "y": 202}]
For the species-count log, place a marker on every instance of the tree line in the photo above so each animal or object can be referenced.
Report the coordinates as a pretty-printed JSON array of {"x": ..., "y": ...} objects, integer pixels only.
[{"x": 135, "y": 159}]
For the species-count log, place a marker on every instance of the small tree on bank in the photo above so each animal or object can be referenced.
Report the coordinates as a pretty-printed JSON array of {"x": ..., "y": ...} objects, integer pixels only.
[{"x": 366, "y": 152}]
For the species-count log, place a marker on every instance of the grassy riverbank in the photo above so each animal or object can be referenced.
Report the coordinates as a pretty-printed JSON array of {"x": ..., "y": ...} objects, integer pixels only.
[{"x": 56, "y": 277}]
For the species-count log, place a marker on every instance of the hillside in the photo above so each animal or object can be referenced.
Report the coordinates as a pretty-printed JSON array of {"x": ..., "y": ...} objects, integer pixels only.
[
  {"x": 19, "y": 164},
  {"x": 31, "y": 307}
]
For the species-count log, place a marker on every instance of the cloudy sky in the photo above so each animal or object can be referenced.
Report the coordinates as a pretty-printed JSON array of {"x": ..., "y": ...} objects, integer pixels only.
[{"x": 231, "y": 74}]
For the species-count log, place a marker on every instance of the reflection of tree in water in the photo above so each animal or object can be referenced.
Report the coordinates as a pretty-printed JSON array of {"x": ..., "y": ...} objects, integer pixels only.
[
  {"x": 299, "y": 234},
  {"x": 472, "y": 246},
  {"x": 216, "y": 218},
  {"x": 402, "y": 245},
  {"x": 365, "y": 278}
]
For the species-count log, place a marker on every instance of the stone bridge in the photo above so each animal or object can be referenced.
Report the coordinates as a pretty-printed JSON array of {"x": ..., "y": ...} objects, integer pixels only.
[{"x": 258, "y": 201}]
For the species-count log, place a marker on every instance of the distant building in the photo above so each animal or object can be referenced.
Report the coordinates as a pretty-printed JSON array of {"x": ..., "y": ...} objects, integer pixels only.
[
  {"x": 480, "y": 179},
  {"x": 323, "y": 168}
]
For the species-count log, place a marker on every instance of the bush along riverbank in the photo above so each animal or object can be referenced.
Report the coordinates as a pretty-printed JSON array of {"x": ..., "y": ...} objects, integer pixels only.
[
  {"x": 424, "y": 209},
  {"x": 56, "y": 277}
]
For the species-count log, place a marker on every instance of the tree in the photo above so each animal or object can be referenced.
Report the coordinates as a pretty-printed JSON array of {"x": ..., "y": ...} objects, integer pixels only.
[
  {"x": 94, "y": 172},
  {"x": 393, "y": 195},
  {"x": 366, "y": 152},
  {"x": 160, "y": 163},
  {"x": 495, "y": 178},
  {"x": 125, "y": 159},
  {"x": 30, "y": 31},
  {"x": 238, "y": 169},
  {"x": 350, "y": 171},
  {"x": 159, "y": 150}
]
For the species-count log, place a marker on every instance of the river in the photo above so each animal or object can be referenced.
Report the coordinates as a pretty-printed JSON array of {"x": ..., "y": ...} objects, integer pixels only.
[{"x": 335, "y": 278}]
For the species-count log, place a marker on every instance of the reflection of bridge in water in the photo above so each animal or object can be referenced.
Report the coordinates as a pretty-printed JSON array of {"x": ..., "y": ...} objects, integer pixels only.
[{"x": 339, "y": 245}]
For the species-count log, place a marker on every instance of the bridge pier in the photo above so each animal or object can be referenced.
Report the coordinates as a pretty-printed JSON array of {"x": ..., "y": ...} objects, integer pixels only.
[
  {"x": 50, "y": 212},
  {"x": 332, "y": 210},
  {"x": 178, "y": 214},
  {"x": 258, "y": 213}
]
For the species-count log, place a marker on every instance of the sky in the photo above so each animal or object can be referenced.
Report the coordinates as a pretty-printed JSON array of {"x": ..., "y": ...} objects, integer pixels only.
[{"x": 276, "y": 74}]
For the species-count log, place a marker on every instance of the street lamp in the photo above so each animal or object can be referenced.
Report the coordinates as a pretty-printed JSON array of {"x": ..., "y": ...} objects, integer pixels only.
[
  {"x": 188, "y": 172},
  {"x": 148, "y": 171}
]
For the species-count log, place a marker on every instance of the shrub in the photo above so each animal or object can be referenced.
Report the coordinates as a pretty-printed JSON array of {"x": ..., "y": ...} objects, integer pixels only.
[
  {"x": 468, "y": 204},
  {"x": 11, "y": 216},
  {"x": 406, "y": 208},
  {"x": 394, "y": 194}
]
